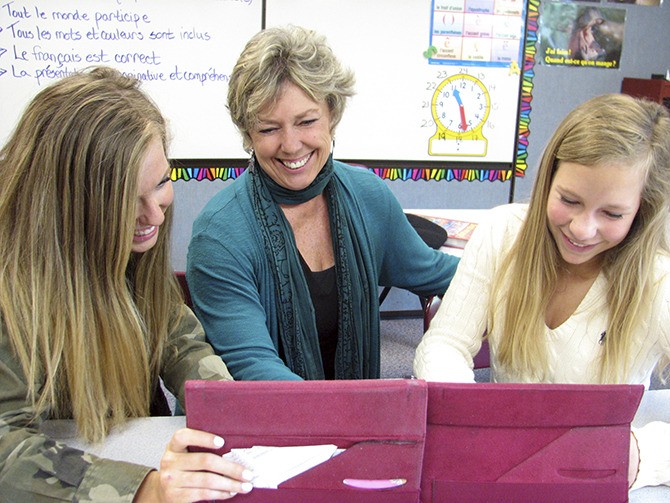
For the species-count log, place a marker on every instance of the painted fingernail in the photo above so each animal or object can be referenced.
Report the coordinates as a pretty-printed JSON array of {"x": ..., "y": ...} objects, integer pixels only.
[
  {"x": 218, "y": 441},
  {"x": 247, "y": 487},
  {"x": 247, "y": 475}
]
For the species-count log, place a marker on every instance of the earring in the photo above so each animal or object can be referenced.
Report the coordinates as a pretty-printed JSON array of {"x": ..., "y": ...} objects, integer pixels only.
[{"x": 250, "y": 166}]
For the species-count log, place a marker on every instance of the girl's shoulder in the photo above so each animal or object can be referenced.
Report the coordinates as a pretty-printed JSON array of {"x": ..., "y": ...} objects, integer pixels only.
[
  {"x": 507, "y": 215},
  {"x": 503, "y": 222}
]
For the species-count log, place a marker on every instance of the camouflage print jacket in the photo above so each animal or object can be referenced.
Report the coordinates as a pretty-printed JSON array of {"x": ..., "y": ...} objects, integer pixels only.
[{"x": 35, "y": 468}]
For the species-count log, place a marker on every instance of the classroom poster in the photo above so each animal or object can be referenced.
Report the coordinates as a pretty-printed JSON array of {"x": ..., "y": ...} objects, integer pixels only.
[
  {"x": 476, "y": 49},
  {"x": 581, "y": 35}
]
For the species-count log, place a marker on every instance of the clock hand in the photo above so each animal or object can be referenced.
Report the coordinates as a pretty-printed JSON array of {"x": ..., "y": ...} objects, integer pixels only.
[{"x": 464, "y": 123}]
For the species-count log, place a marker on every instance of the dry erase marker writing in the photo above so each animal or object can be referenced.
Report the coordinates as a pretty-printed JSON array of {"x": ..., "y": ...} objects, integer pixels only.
[{"x": 374, "y": 483}]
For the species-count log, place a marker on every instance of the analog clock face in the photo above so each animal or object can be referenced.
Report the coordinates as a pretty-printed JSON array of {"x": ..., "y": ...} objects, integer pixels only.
[{"x": 461, "y": 104}]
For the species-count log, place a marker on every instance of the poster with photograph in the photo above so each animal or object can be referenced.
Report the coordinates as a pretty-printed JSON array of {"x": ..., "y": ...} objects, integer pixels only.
[{"x": 581, "y": 35}]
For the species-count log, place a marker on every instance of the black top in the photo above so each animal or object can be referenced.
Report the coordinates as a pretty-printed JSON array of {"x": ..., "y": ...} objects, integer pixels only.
[{"x": 323, "y": 291}]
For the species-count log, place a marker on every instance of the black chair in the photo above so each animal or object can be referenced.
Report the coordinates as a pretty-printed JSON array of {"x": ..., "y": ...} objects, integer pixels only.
[
  {"x": 181, "y": 279},
  {"x": 434, "y": 235}
]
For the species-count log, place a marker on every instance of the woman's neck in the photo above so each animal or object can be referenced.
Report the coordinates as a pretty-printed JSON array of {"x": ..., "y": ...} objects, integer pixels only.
[{"x": 311, "y": 230}]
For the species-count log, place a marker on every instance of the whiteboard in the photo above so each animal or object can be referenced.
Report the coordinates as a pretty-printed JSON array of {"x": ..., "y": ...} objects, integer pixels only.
[
  {"x": 387, "y": 45},
  {"x": 184, "y": 51}
]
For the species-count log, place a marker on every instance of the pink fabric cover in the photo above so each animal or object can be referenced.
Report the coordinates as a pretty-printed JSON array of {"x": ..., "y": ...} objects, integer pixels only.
[
  {"x": 382, "y": 424},
  {"x": 528, "y": 442},
  {"x": 452, "y": 442}
]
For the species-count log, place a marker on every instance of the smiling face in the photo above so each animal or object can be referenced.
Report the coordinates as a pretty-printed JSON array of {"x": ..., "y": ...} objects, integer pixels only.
[
  {"x": 155, "y": 195},
  {"x": 590, "y": 210},
  {"x": 292, "y": 139}
]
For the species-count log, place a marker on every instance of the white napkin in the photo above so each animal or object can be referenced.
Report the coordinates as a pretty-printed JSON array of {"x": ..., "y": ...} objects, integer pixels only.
[{"x": 273, "y": 465}]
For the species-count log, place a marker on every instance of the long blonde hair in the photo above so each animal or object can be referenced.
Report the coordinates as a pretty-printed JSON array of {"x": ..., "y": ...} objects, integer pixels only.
[
  {"x": 87, "y": 322},
  {"x": 612, "y": 129}
]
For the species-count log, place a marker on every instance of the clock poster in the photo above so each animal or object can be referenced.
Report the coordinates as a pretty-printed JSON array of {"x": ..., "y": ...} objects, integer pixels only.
[{"x": 476, "y": 50}]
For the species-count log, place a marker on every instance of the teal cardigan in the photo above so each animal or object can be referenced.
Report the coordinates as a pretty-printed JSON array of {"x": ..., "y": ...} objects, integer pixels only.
[{"x": 233, "y": 289}]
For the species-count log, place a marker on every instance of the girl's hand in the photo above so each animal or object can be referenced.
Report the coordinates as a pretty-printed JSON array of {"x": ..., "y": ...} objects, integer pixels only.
[{"x": 194, "y": 476}]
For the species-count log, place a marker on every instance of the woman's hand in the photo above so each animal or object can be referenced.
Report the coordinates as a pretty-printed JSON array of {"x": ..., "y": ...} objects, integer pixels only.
[{"x": 194, "y": 476}]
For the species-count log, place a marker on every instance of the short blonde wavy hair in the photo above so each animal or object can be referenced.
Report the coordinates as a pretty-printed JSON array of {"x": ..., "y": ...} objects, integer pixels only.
[{"x": 278, "y": 55}]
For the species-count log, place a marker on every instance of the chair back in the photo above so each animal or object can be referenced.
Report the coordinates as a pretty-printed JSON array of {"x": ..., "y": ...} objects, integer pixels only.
[{"x": 181, "y": 279}]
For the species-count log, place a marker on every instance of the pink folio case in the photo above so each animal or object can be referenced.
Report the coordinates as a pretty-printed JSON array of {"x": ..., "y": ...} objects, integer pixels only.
[
  {"x": 380, "y": 423},
  {"x": 528, "y": 442}
]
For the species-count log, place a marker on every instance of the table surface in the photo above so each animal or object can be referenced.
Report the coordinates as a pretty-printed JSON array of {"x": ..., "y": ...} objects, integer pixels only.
[
  {"x": 143, "y": 440},
  {"x": 468, "y": 215}
]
